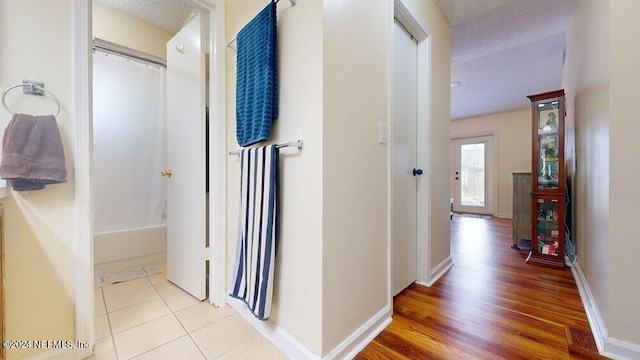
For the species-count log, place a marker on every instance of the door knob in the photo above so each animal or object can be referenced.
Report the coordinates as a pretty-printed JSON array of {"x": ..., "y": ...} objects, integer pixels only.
[
  {"x": 166, "y": 173},
  {"x": 417, "y": 172}
]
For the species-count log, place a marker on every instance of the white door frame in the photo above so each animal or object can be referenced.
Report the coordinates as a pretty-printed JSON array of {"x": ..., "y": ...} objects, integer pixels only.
[
  {"x": 82, "y": 85},
  {"x": 494, "y": 161},
  {"x": 409, "y": 20}
]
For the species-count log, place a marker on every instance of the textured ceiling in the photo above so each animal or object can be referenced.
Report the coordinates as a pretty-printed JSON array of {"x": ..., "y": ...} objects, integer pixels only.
[
  {"x": 167, "y": 14},
  {"x": 501, "y": 50},
  {"x": 504, "y": 50}
]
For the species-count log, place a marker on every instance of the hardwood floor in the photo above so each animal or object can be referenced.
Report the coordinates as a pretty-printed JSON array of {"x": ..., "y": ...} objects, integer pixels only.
[{"x": 490, "y": 305}]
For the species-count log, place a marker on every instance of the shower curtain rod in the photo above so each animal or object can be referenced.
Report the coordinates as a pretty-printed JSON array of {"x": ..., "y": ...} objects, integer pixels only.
[
  {"x": 128, "y": 52},
  {"x": 299, "y": 144}
]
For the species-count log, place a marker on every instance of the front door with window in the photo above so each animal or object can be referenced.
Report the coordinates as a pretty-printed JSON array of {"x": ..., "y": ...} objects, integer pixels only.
[{"x": 472, "y": 180}]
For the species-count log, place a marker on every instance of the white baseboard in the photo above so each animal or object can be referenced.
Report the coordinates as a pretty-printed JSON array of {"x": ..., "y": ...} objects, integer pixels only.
[
  {"x": 440, "y": 270},
  {"x": 621, "y": 350},
  {"x": 505, "y": 216},
  {"x": 126, "y": 263},
  {"x": 295, "y": 350},
  {"x": 598, "y": 328},
  {"x": 352, "y": 345},
  {"x": 273, "y": 333},
  {"x": 607, "y": 346}
]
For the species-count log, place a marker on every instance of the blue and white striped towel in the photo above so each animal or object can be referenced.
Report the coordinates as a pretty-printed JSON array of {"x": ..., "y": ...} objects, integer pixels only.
[{"x": 257, "y": 229}]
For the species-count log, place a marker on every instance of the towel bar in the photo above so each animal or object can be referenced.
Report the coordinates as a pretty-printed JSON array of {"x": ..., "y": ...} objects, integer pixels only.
[
  {"x": 299, "y": 144},
  {"x": 229, "y": 43}
]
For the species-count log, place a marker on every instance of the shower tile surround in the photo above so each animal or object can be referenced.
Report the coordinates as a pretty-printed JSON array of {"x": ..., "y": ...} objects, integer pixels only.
[{"x": 150, "y": 318}]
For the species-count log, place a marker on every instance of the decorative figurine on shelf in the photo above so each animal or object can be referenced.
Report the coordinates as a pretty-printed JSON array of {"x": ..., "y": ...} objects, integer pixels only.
[
  {"x": 549, "y": 152},
  {"x": 541, "y": 214},
  {"x": 551, "y": 123}
]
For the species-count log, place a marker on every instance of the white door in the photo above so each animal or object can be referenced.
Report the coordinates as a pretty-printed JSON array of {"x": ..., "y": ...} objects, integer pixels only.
[
  {"x": 404, "y": 159},
  {"x": 472, "y": 175},
  {"x": 186, "y": 200}
]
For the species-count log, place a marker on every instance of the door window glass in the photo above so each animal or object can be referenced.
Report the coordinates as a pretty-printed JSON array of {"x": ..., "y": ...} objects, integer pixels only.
[{"x": 472, "y": 176}]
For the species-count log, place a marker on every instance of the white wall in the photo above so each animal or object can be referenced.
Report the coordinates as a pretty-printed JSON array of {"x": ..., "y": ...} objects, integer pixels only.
[
  {"x": 600, "y": 78},
  {"x": 297, "y": 298},
  {"x": 514, "y": 146},
  {"x": 39, "y": 227},
  {"x": 332, "y": 271},
  {"x": 355, "y": 186},
  {"x": 355, "y": 178},
  {"x": 355, "y": 182},
  {"x": 128, "y": 31},
  {"x": 586, "y": 82},
  {"x": 624, "y": 289}
]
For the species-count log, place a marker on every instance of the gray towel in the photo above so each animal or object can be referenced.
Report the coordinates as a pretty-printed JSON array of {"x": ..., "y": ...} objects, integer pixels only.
[{"x": 32, "y": 154}]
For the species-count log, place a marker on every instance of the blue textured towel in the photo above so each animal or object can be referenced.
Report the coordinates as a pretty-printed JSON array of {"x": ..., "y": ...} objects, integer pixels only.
[{"x": 257, "y": 78}]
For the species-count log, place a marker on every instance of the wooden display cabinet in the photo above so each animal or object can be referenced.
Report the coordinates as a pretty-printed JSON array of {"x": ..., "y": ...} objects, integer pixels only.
[
  {"x": 547, "y": 244},
  {"x": 548, "y": 179}
]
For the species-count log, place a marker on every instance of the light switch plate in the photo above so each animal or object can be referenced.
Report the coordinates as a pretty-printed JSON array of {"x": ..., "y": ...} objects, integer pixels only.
[{"x": 383, "y": 133}]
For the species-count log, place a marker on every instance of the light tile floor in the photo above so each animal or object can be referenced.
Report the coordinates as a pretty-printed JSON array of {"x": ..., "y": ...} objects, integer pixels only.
[{"x": 152, "y": 319}]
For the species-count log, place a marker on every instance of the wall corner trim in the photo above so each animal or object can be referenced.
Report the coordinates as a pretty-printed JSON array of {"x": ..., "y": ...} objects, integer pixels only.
[
  {"x": 81, "y": 112},
  {"x": 360, "y": 338},
  {"x": 218, "y": 156},
  {"x": 607, "y": 346},
  {"x": 438, "y": 271},
  {"x": 275, "y": 334}
]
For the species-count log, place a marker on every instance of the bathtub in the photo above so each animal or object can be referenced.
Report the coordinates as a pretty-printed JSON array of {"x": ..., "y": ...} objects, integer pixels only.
[{"x": 125, "y": 248}]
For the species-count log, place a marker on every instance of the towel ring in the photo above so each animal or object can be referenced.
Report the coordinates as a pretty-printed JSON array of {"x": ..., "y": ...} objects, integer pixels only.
[{"x": 32, "y": 86}]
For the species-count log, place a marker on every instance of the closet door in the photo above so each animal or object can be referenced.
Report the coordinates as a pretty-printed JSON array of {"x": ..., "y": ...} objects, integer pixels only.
[
  {"x": 405, "y": 173},
  {"x": 186, "y": 199}
]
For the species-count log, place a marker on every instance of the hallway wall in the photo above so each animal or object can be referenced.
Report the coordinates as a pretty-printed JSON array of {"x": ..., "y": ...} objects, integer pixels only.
[
  {"x": 600, "y": 78},
  {"x": 331, "y": 276},
  {"x": 586, "y": 81},
  {"x": 624, "y": 189},
  {"x": 297, "y": 298},
  {"x": 355, "y": 186},
  {"x": 39, "y": 234}
]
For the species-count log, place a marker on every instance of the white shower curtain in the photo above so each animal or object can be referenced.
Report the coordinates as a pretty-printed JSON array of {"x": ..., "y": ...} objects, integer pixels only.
[{"x": 128, "y": 143}]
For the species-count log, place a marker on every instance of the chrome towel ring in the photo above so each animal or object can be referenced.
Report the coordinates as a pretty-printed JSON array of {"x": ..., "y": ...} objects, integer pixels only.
[{"x": 31, "y": 88}]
